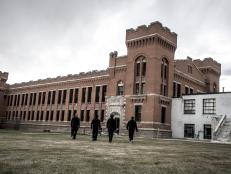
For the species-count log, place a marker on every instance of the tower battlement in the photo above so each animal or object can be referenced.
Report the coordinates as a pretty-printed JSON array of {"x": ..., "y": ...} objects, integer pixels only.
[
  {"x": 3, "y": 76},
  {"x": 208, "y": 62},
  {"x": 152, "y": 29}
]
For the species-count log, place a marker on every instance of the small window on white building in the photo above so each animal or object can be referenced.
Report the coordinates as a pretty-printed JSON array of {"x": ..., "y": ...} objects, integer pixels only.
[
  {"x": 209, "y": 106},
  {"x": 189, "y": 130},
  {"x": 189, "y": 106}
]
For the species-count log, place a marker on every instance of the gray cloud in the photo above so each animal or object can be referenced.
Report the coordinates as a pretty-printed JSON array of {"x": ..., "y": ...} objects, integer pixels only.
[{"x": 57, "y": 37}]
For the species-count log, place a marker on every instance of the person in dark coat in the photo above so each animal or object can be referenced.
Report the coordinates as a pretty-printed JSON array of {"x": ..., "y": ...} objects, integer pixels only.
[
  {"x": 131, "y": 127},
  {"x": 75, "y": 123},
  {"x": 111, "y": 127},
  {"x": 95, "y": 127}
]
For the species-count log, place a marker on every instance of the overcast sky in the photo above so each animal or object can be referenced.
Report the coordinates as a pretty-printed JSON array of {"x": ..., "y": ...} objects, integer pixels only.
[{"x": 49, "y": 38}]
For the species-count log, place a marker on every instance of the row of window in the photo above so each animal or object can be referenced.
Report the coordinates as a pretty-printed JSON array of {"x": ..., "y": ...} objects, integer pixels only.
[
  {"x": 189, "y": 131},
  {"x": 209, "y": 106},
  {"x": 49, "y": 115},
  {"x": 177, "y": 90},
  {"x": 30, "y": 99}
]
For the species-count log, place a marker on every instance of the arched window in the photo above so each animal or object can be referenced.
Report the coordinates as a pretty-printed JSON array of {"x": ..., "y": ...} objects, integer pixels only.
[
  {"x": 164, "y": 77},
  {"x": 140, "y": 73},
  {"x": 140, "y": 66},
  {"x": 120, "y": 88}
]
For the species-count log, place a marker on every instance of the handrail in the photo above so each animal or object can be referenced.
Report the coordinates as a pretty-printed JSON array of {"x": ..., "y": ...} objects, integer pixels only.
[{"x": 219, "y": 125}]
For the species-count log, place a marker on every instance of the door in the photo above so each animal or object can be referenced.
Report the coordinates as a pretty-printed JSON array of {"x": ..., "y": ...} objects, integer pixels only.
[{"x": 207, "y": 131}]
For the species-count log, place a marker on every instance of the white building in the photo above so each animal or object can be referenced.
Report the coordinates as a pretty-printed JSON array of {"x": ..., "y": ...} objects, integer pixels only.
[{"x": 203, "y": 116}]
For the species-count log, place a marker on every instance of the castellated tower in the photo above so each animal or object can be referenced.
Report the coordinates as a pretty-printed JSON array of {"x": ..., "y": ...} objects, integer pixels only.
[
  {"x": 149, "y": 78},
  {"x": 212, "y": 71},
  {"x": 3, "y": 88}
]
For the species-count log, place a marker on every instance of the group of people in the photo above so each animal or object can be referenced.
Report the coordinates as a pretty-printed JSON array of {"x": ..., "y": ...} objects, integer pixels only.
[{"x": 96, "y": 127}]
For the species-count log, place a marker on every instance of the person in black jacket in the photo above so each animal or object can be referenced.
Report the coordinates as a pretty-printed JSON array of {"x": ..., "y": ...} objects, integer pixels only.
[
  {"x": 75, "y": 123},
  {"x": 111, "y": 127},
  {"x": 95, "y": 126},
  {"x": 131, "y": 127}
]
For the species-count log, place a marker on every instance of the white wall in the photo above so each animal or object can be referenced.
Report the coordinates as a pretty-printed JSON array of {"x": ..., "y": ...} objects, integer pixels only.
[{"x": 178, "y": 118}]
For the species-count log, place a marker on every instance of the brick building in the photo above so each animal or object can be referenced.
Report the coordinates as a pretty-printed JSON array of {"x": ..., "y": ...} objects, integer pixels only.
[{"x": 140, "y": 83}]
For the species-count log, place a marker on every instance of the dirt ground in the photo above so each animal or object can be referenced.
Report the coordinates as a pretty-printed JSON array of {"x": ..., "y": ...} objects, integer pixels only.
[{"x": 24, "y": 152}]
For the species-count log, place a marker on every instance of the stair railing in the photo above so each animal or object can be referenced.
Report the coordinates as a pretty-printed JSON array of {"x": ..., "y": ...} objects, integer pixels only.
[{"x": 219, "y": 126}]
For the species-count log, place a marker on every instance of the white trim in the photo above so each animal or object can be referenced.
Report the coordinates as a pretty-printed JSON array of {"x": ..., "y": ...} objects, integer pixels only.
[
  {"x": 61, "y": 81},
  {"x": 155, "y": 34}
]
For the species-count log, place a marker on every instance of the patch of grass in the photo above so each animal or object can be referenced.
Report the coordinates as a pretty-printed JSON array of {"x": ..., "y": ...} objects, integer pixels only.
[{"x": 35, "y": 153}]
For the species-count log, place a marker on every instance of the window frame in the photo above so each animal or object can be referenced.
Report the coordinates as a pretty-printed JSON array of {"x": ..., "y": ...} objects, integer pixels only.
[{"x": 190, "y": 105}]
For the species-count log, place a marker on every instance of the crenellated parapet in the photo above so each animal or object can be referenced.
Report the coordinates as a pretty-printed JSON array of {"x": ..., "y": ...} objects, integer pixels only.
[
  {"x": 60, "y": 79},
  {"x": 155, "y": 32},
  {"x": 208, "y": 65}
]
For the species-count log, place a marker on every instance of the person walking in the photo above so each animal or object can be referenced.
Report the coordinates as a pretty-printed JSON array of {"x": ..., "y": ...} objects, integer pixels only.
[
  {"x": 131, "y": 127},
  {"x": 95, "y": 127},
  {"x": 75, "y": 124},
  {"x": 111, "y": 127}
]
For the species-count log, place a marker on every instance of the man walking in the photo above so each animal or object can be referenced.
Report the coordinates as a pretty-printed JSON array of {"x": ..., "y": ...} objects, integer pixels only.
[
  {"x": 95, "y": 126},
  {"x": 75, "y": 124},
  {"x": 131, "y": 127},
  {"x": 111, "y": 127}
]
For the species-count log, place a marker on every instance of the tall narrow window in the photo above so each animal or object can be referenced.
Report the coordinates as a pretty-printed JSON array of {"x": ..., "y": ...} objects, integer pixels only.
[
  {"x": 163, "y": 114},
  {"x": 138, "y": 112},
  {"x": 143, "y": 68},
  {"x": 64, "y": 96},
  {"x": 120, "y": 88},
  {"x": 62, "y": 115},
  {"x": 88, "y": 116},
  {"x": 47, "y": 116},
  {"x": 76, "y": 95},
  {"x": 71, "y": 95},
  {"x": 140, "y": 73},
  {"x": 83, "y": 95},
  {"x": 164, "y": 77},
  {"x": 34, "y": 98},
  {"x": 39, "y": 99},
  {"x": 41, "y": 116},
  {"x": 49, "y": 98},
  {"x": 186, "y": 90},
  {"x": 51, "y": 116},
  {"x": 15, "y": 100},
  {"x": 44, "y": 98},
  {"x": 82, "y": 115},
  {"x": 18, "y": 99},
  {"x": 102, "y": 116},
  {"x": 37, "y": 117},
  {"x": 97, "y": 91},
  {"x": 137, "y": 88},
  {"x": 31, "y": 98},
  {"x": 59, "y": 96},
  {"x": 22, "y": 101},
  {"x": 32, "y": 115},
  {"x": 104, "y": 92},
  {"x": 138, "y": 68},
  {"x": 57, "y": 115},
  {"x": 178, "y": 90},
  {"x": 53, "y": 97},
  {"x": 69, "y": 116},
  {"x": 89, "y": 92}
]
